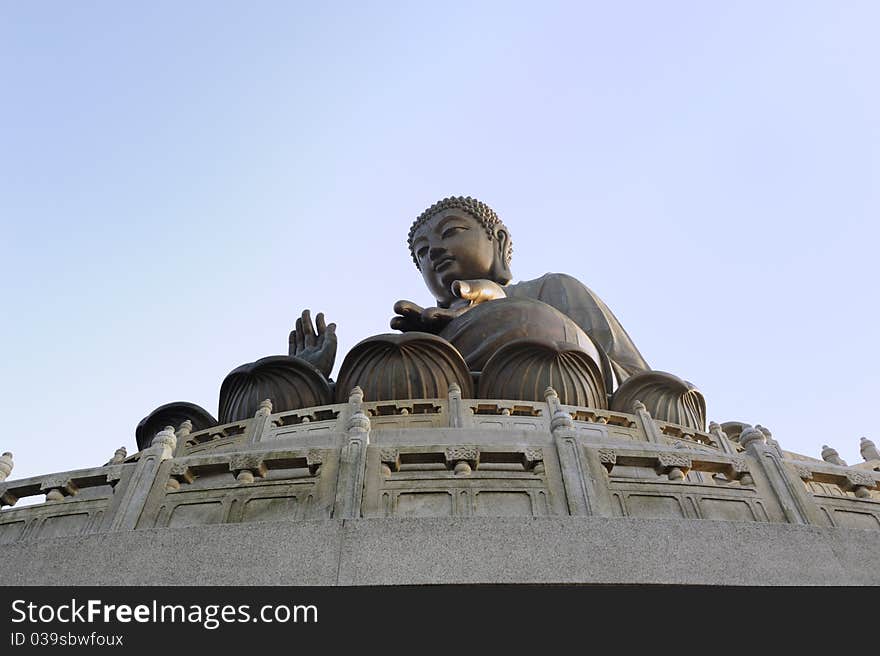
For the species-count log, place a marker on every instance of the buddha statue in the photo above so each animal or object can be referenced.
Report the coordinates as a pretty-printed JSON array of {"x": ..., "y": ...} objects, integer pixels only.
[
  {"x": 486, "y": 338},
  {"x": 509, "y": 331},
  {"x": 494, "y": 338},
  {"x": 463, "y": 252}
]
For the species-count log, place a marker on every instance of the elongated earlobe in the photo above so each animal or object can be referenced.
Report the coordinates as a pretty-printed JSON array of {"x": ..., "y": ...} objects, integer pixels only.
[{"x": 500, "y": 267}]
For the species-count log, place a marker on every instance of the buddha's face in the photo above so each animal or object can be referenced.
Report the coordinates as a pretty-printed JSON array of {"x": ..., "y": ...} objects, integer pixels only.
[{"x": 453, "y": 245}]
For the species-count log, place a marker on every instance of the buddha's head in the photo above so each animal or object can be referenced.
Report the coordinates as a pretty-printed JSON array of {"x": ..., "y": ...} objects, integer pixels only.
[{"x": 459, "y": 238}]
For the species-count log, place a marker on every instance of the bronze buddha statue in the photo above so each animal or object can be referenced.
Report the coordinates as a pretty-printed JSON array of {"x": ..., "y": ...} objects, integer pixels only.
[
  {"x": 514, "y": 338},
  {"x": 463, "y": 252},
  {"x": 487, "y": 336}
]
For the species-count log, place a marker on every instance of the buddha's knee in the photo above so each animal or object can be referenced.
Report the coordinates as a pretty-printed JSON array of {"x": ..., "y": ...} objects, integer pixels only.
[{"x": 481, "y": 331}]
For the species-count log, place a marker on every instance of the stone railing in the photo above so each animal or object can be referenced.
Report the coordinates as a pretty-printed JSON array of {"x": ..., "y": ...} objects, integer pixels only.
[{"x": 449, "y": 457}]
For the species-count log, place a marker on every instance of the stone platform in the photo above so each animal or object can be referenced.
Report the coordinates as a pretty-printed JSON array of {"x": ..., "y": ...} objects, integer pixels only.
[
  {"x": 448, "y": 490},
  {"x": 598, "y": 550}
]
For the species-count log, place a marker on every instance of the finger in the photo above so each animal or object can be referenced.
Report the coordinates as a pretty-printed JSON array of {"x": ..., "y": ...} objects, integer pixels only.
[
  {"x": 479, "y": 291},
  {"x": 408, "y": 308},
  {"x": 433, "y": 315},
  {"x": 298, "y": 338},
  {"x": 319, "y": 322},
  {"x": 438, "y": 318},
  {"x": 463, "y": 289},
  {"x": 405, "y": 324},
  {"x": 308, "y": 329}
]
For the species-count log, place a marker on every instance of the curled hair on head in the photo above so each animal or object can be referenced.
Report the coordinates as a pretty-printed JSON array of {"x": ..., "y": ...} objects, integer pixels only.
[{"x": 477, "y": 209}]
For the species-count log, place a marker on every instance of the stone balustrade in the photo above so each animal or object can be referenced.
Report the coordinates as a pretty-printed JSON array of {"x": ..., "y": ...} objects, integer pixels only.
[{"x": 448, "y": 457}]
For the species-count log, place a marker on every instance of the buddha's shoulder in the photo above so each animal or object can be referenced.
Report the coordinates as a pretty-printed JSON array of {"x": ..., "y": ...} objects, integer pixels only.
[{"x": 549, "y": 282}]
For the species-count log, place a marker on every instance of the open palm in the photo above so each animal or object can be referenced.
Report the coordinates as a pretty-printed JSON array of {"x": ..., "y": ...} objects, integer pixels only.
[{"x": 315, "y": 346}]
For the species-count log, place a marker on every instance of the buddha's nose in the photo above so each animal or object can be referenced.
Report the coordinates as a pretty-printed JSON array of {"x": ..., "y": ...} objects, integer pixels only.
[{"x": 436, "y": 252}]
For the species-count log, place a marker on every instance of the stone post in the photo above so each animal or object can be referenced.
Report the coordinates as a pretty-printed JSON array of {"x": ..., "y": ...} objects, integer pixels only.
[
  {"x": 578, "y": 482},
  {"x": 647, "y": 423},
  {"x": 182, "y": 435},
  {"x": 6, "y": 465},
  {"x": 458, "y": 417},
  {"x": 141, "y": 481},
  {"x": 119, "y": 456},
  {"x": 773, "y": 444},
  {"x": 353, "y": 460},
  {"x": 259, "y": 422},
  {"x": 831, "y": 455},
  {"x": 866, "y": 447},
  {"x": 796, "y": 504},
  {"x": 721, "y": 438}
]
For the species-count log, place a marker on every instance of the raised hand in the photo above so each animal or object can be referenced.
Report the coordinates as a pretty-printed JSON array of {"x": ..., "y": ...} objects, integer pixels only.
[{"x": 317, "y": 347}]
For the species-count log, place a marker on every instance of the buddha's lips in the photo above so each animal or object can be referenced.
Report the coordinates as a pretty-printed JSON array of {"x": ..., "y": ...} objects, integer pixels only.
[{"x": 443, "y": 263}]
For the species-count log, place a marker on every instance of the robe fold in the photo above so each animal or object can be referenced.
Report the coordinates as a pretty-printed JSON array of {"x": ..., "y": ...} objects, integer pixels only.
[{"x": 571, "y": 297}]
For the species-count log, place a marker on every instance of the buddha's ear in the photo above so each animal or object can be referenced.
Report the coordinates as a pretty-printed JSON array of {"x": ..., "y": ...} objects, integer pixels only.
[{"x": 501, "y": 269}]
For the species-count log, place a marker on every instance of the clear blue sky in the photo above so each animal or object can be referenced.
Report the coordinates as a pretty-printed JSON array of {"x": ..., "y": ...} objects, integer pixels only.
[{"x": 178, "y": 180}]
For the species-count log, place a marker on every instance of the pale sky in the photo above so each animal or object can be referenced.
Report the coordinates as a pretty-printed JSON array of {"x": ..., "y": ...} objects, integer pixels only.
[{"x": 179, "y": 180}]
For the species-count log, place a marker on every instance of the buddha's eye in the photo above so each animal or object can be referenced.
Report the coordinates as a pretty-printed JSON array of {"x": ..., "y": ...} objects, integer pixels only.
[{"x": 452, "y": 230}]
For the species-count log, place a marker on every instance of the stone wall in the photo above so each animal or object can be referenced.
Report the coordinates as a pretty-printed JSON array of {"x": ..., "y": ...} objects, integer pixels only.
[{"x": 450, "y": 489}]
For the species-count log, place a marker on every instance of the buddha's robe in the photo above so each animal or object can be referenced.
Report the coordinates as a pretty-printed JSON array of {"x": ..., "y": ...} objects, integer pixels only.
[
  {"x": 571, "y": 297},
  {"x": 554, "y": 307}
]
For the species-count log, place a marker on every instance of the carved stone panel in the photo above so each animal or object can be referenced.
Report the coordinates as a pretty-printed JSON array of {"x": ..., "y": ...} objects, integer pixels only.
[
  {"x": 654, "y": 506},
  {"x": 244, "y": 487},
  {"x": 608, "y": 458},
  {"x": 196, "y": 514},
  {"x": 264, "y": 509},
  {"x": 730, "y": 510},
  {"x": 850, "y": 519},
  {"x": 461, "y": 480}
]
